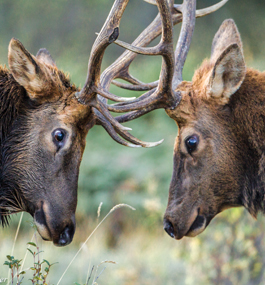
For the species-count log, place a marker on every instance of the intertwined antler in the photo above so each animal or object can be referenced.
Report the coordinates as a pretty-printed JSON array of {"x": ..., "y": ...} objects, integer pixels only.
[
  {"x": 160, "y": 94},
  {"x": 149, "y": 101}
]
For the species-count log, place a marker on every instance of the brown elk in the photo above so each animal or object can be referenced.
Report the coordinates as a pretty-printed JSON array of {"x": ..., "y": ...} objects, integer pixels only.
[
  {"x": 44, "y": 123},
  {"x": 219, "y": 155}
]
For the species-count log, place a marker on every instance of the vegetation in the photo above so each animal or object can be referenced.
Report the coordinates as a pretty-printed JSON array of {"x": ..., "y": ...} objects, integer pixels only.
[{"x": 230, "y": 251}]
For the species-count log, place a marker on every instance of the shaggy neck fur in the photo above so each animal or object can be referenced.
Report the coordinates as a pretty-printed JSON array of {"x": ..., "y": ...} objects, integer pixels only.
[
  {"x": 11, "y": 95},
  {"x": 248, "y": 111}
]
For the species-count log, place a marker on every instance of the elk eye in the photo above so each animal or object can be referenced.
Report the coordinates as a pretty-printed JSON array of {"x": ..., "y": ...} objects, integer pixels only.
[
  {"x": 59, "y": 137},
  {"x": 192, "y": 143}
]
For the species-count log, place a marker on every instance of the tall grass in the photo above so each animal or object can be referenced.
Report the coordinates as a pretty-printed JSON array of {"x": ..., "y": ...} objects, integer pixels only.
[{"x": 40, "y": 268}]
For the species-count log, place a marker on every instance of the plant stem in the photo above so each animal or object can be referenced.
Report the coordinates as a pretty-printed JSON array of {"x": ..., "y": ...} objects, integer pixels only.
[
  {"x": 12, "y": 251},
  {"x": 112, "y": 210}
]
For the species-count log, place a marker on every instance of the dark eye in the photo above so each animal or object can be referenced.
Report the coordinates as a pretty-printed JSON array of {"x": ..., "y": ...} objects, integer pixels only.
[
  {"x": 192, "y": 143},
  {"x": 59, "y": 137}
]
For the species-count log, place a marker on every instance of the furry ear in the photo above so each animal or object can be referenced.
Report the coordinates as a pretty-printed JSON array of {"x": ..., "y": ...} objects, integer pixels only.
[
  {"x": 226, "y": 35},
  {"x": 228, "y": 73},
  {"x": 44, "y": 56},
  {"x": 26, "y": 70}
]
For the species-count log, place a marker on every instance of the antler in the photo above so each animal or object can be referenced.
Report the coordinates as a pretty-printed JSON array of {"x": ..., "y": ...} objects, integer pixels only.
[
  {"x": 152, "y": 99},
  {"x": 93, "y": 86},
  {"x": 161, "y": 93}
]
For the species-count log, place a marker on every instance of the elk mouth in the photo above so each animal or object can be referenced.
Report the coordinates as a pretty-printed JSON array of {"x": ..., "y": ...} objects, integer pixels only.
[
  {"x": 41, "y": 224},
  {"x": 194, "y": 225},
  {"x": 63, "y": 234},
  {"x": 197, "y": 226}
]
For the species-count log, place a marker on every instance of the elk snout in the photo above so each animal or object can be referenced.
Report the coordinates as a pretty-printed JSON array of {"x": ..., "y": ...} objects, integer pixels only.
[
  {"x": 66, "y": 235},
  {"x": 61, "y": 232},
  {"x": 168, "y": 227},
  {"x": 178, "y": 226}
]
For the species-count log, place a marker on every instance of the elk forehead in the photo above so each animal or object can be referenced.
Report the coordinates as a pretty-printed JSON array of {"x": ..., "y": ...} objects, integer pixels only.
[
  {"x": 61, "y": 98},
  {"x": 185, "y": 110},
  {"x": 72, "y": 112}
]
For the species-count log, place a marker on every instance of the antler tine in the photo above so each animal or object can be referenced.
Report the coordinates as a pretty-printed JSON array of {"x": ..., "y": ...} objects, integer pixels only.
[
  {"x": 188, "y": 22},
  {"x": 134, "y": 114},
  {"x": 206, "y": 11},
  {"x": 136, "y": 87},
  {"x": 189, "y": 14},
  {"x": 107, "y": 35},
  {"x": 101, "y": 120}
]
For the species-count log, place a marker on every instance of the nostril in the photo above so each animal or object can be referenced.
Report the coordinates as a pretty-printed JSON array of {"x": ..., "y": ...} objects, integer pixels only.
[
  {"x": 66, "y": 236},
  {"x": 168, "y": 227}
]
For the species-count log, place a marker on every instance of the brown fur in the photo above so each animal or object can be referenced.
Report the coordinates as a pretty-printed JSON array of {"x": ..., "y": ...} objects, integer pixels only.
[{"x": 224, "y": 107}]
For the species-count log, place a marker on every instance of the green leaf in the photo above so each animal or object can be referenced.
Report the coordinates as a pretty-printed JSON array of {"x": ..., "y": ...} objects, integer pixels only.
[
  {"x": 54, "y": 263},
  {"x": 9, "y": 257},
  {"x": 30, "y": 251},
  {"x": 32, "y": 243},
  {"x": 44, "y": 260},
  {"x": 7, "y": 263}
]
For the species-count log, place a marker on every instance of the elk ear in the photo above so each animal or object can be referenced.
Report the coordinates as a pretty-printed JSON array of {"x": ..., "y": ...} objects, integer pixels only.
[
  {"x": 226, "y": 35},
  {"x": 44, "y": 56},
  {"x": 228, "y": 74},
  {"x": 25, "y": 69}
]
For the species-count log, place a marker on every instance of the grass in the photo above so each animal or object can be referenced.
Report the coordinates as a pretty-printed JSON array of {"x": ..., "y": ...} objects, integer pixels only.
[
  {"x": 40, "y": 268},
  {"x": 230, "y": 251}
]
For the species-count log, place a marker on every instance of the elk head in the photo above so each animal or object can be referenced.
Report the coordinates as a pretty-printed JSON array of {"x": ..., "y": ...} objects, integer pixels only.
[
  {"x": 45, "y": 123},
  {"x": 208, "y": 164},
  {"x": 204, "y": 175}
]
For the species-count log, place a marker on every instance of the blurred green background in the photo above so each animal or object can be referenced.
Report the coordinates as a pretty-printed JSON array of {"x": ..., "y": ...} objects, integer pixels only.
[{"x": 230, "y": 251}]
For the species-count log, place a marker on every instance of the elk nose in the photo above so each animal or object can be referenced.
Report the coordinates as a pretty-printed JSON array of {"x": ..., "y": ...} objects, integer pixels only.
[
  {"x": 168, "y": 227},
  {"x": 66, "y": 235}
]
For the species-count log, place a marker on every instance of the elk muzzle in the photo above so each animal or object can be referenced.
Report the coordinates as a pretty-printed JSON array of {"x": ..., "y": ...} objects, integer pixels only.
[
  {"x": 182, "y": 222},
  {"x": 52, "y": 228}
]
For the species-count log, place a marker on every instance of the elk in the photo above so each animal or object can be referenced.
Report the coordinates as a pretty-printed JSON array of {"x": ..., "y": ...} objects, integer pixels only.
[
  {"x": 44, "y": 120},
  {"x": 219, "y": 153}
]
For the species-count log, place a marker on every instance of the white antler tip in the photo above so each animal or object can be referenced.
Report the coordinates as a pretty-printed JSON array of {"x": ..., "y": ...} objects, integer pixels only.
[
  {"x": 126, "y": 128},
  {"x": 154, "y": 144},
  {"x": 134, "y": 145},
  {"x": 153, "y": 2},
  {"x": 126, "y": 99}
]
